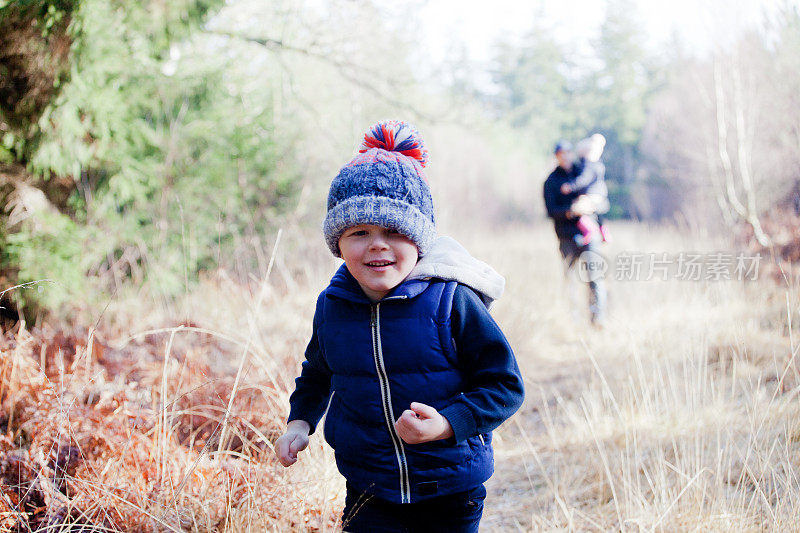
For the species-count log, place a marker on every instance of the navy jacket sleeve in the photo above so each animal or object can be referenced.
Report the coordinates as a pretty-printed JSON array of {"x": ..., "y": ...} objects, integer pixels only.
[
  {"x": 495, "y": 388},
  {"x": 312, "y": 388},
  {"x": 555, "y": 209}
]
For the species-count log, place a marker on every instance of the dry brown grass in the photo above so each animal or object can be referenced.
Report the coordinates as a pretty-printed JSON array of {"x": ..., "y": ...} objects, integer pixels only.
[
  {"x": 168, "y": 430},
  {"x": 681, "y": 415}
]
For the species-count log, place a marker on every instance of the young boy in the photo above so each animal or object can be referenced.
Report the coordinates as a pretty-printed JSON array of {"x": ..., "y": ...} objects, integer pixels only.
[
  {"x": 590, "y": 189},
  {"x": 416, "y": 372}
]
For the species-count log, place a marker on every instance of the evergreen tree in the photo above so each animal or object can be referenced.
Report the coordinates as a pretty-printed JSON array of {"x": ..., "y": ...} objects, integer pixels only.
[
  {"x": 538, "y": 90},
  {"x": 619, "y": 91},
  {"x": 140, "y": 143},
  {"x": 552, "y": 92}
]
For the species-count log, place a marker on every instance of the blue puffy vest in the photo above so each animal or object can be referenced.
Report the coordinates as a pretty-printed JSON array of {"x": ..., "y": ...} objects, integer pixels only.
[{"x": 384, "y": 356}]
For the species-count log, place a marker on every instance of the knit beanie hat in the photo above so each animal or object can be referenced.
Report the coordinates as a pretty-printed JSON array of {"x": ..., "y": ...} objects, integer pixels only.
[{"x": 384, "y": 185}]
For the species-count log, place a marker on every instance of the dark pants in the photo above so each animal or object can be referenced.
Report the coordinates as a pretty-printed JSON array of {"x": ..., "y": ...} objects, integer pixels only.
[
  {"x": 457, "y": 513},
  {"x": 571, "y": 253}
]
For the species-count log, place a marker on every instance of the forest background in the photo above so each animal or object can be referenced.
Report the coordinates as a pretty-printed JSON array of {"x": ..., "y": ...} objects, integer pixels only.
[{"x": 145, "y": 143}]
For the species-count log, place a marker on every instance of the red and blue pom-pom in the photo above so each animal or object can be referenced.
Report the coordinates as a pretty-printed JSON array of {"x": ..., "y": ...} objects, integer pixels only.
[{"x": 396, "y": 136}]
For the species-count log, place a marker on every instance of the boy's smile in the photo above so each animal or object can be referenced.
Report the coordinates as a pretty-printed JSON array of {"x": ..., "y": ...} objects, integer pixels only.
[{"x": 379, "y": 258}]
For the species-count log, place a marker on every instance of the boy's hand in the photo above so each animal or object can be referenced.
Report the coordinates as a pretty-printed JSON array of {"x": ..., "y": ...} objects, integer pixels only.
[
  {"x": 294, "y": 440},
  {"x": 566, "y": 189},
  {"x": 422, "y": 423}
]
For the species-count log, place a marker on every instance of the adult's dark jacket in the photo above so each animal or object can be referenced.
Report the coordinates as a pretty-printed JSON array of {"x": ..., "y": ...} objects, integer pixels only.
[
  {"x": 429, "y": 340},
  {"x": 558, "y": 203}
]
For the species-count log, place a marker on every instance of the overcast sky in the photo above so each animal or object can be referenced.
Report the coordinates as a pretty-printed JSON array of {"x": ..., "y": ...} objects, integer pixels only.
[{"x": 701, "y": 23}]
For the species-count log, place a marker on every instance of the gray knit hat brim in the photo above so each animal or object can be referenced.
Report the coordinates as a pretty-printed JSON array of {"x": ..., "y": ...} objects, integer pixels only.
[{"x": 380, "y": 211}]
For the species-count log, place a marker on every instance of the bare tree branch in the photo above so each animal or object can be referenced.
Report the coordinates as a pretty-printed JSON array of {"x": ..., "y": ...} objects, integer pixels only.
[
  {"x": 343, "y": 68},
  {"x": 747, "y": 211},
  {"x": 722, "y": 144},
  {"x": 745, "y": 161}
]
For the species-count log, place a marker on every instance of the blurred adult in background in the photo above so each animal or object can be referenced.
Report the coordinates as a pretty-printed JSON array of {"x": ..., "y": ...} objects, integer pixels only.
[{"x": 566, "y": 209}]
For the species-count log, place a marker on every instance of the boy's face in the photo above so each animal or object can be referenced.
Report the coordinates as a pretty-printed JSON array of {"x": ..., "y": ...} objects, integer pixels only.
[{"x": 379, "y": 258}]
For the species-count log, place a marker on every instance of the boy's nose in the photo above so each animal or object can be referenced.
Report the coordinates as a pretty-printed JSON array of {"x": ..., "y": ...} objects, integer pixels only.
[{"x": 378, "y": 243}]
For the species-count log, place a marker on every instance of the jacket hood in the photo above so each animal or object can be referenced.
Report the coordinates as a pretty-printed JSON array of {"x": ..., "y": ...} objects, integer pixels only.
[{"x": 447, "y": 259}]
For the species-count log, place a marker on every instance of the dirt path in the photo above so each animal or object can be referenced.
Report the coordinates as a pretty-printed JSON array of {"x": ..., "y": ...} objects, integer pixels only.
[{"x": 512, "y": 490}]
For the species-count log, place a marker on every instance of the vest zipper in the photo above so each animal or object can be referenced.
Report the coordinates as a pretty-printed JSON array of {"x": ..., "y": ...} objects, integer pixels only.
[{"x": 386, "y": 398}]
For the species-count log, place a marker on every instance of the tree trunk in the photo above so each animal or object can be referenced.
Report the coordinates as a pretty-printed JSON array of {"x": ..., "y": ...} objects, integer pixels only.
[{"x": 746, "y": 211}]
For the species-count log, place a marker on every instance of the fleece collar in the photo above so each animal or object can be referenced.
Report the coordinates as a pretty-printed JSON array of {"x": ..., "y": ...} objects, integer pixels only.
[{"x": 450, "y": 261}]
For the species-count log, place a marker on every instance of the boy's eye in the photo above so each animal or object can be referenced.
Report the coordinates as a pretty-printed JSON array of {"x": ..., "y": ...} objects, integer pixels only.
[
  {"x": 358, "y": 233},
  {"x": 392, "y": 231}
]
